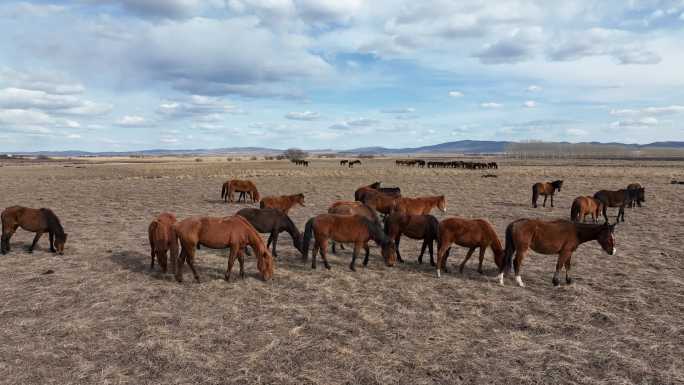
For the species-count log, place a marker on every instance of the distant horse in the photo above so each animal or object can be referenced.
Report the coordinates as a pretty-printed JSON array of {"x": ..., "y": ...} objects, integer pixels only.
[
  {"x": 379, "y": 201},
  {"x": 272, "y": 221},
  {"x": 470, "y": 233},
  {"x": 344, "y": 162},
  {"x": 162, "y": 239},
  {"x": 545, "y": 189},
  {"x": 425, "y": 227},
  {"x": 353, "y": 162},
  {"x": 620, "y": 198},
  {"x": 560, "y": 237},
  {"x": 640, "y": 196},
  {"x": 38, "y": 221},
  {"x": 219, "y": 233},
  {"x": 420, "y": 205},
  {"x": 241, "y": 186},
  {"x": 583, "y": 206},
  {"x": 346, "y": 228},
  {"x": 283, "y": 203},
  {"x": 352, "y": 208}
]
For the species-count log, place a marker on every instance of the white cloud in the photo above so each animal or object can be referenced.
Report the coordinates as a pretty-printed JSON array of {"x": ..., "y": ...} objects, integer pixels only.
[
  {"x": 132, "y": 121},
  {"x": 576, "y": 132},
  {"x": 306, "y": 115},
  {"x": 491, "y": 105},
  {"x": 642, "y": 123},
  {"x": 534, "y": 88},
  {"x": 455, "y": 94},
  {"x": 530, "y": 104},
  {"x": 667, "y": 110},
  {"x": 406, "y": 110}
]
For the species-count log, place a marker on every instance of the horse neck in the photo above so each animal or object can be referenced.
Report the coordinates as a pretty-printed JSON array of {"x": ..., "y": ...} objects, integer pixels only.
[
  {"x": 256, "y": 241},
  {"x": 53, "y": 222},
  {"x": 291, "y": 228},
  {"x": 587, "y": 232}
]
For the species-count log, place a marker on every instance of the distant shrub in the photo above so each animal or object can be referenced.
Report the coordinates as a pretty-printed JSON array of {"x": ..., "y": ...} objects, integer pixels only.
[
  {"x": 198, "y": 159},
  {"x": 295, "y": 153},
  {"x": 254, "y": 158},
  {"x": 269, "y": 158},
  {"x": 281, "y": 157},
  {"x": 43, "y": 157},
  {"x": 229, "y": 159}
]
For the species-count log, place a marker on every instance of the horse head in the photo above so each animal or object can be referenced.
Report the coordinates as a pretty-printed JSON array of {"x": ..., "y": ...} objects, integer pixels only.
[
  {"x": 389, "y": 253},
  {"x": 442, "y": 204},
  {"x": 60, "y": 240},
  {"x": 606, "y": 238}
]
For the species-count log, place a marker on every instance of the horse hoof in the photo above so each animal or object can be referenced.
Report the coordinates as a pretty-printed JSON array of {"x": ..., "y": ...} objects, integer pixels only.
[
  {"x": 556, "y": 282},
  {"x": 568, "y": 281}
]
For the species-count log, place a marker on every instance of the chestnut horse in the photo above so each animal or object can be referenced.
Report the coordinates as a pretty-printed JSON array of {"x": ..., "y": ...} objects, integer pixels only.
[
  {"x": 346, "y": 228},
  {"x": 420, "y": 205},
  {"x": 219, "y": 233},
  {"x": 352, "y": 208},
  {"x": 560, "y": 237},
  {"x": 273, "y": 222},
  {"x": 241, "y": 186},
  {"x": 640, "y": 196},
  {"x": 470, "y": 233},
  {"x": 283, "y": 203},
  {"x": 38, "y": 221},
  {"x": 425, "y": 227},
  {"x": 379, "y": 201},
  {"x": 620, "y": 198},
  {"x": 583, "y": 206},
  {"x": 545, "y": 189},
  {"x": 162, "y": 239}
]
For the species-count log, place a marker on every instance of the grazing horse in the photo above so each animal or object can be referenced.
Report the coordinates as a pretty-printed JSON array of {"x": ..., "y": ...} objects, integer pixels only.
[
  {"x": 425, "y": 227},
  {"x": 353, "y": 162},
  {"x": 219, "y": 233},
  {"x": 560, "y": 237},
  {"x": 352, "y": 208},
  {"x": 620, "y": 198},
  {"x": 583, "y": 206},
  {"x": 470, "y": 233},
  {"x": 162, "y": 239},
  {"x": 346, "y": 228},
  {"x": 420, "y": 205},
  {"x": 272, "y": 221},
  {"x": 283, "y": 203},
  {"x": 344, "y": 162},
  {"x": 241, "y": 186},
  {"x": 545, "y": 189},
  {"x": 640, "y": 196},
  {"x": 379, "y": 201},
  {"x": 38, "y": 221}
]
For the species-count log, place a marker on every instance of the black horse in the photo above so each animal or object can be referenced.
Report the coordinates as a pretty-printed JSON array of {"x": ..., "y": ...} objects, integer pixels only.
[{"x": 272, "y": 221}]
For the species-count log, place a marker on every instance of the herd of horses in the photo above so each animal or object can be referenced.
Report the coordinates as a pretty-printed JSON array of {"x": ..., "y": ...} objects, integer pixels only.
[
  {"x": 349, "y": 163},
  {"x": 450, "y": 164},
  {"x": 378, "y": 214},
  {"x": 300, "y": 162}
]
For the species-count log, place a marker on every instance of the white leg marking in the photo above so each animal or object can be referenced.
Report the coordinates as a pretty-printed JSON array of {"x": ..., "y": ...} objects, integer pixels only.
[
  {"x": 439, "y": 273},
  {"x": 518, "y": 279},
  {"x": 614, "y": 251},
  {"x": 500, "y": 279}
]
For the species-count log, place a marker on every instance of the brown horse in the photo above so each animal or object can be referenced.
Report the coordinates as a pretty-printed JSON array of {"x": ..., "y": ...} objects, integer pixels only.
[
  {"x": 379, "y": 201},
  {"x": 640, "y": 194},
  {"x": 361, "y": 192},
  {"x": 219, "y": 233},
  {"x": 420, "y": 205},
  {"x": 425, "y": 227},
  {"x": 162, "y": 239},
  {"x": 583, "y": 206},
  {"x": 283, "y": 203},
  {"x": 545, "y": 189},
  {"x": 38, "y": 221},
  {"x": 352, "y": 208},
  {"x": 560, "y": 237},
  {"x": 346, "y": 228},
  {"x": 241, "y": 186},
  {"x": 620, "y": 199},
  {"x": 470, "y": 233}
]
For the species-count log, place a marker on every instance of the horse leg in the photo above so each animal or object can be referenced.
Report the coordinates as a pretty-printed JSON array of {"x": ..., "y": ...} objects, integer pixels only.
[
  {"x": 551, "y": 200},
  {"x": 52, "y": 242},
  {"x": 605, "y": 212},
  {"x": 161, "y": 257},
  {"x": 274, "y": 235},
  {"x": 545, "y": 197},
  {"x": 324, "y": 251},
  {"x": 441, "y": 251},
  {"x": 270, "y": 239},
  {"x": 562, "y": 257},
  {"x": 241, "y": 260},
  {"x": 365, "y": 259},
  {"x": 422, "y": 250},
  {"x": 517, "y": 265},
  {"x": 354, "y": 254},
  {"x": 568, "y": 280},
  {"x": 621, "y": 213},
  {"x": 191, "y": 262},
  {"x": 314, "y": 253},
  {"x": 467, "y": 257},
  {"x": 35, "y": 240},
  {"x": 231, "y": 261},
  {"x": 482, "y": 255},
  {"x": 333, "y": 247},
  {"x": 153, "y": 254},
  {"x": 396, "y": 246},
  {"x": 179, "y": 264}
]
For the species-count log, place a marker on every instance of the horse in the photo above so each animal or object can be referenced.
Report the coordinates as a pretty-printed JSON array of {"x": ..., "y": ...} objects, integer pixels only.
[
  {"x": 272, "y": 221},
  {"x": 583, "y": 206},
  {"x": 640, "y": 194},
  {"x": 219, "y": 233},
  {"x": 620, "y": 198},
  {"x": 560, "y": 237},
  {"x": 361, "y": 192},
  {"x": 344, "y": 162},
  {"x": 346, "y": 228},
  {"x": 545, "y": 189},
  {"x": 420, "y": 205},
  {"x": 241, "y": 186},
  {"x": 38, "y": 221},
  {"x": 283, "y": 203},
  {"x": 353, "y": 162},
  {"x": 470, "y": 233},
  {"x": 425, "y": 227},
  {"x": 162, "y": 239},
  {"x": 352, "y": 208},
  {"x": 379, "y": 201}
]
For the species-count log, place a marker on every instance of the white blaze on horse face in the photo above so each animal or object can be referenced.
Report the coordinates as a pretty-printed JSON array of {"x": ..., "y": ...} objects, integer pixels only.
[
  {"x": 500, "y": 278},
  {"x": 518, "y": 279},
  {"x": 612, "y": 252}
]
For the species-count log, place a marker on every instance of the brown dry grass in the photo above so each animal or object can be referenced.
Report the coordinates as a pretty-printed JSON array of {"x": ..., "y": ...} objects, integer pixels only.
[{"x": 103, "y": 317}]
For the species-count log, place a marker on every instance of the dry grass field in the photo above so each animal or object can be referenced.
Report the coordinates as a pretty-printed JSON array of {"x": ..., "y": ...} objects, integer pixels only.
[{"x": 104, "y": 318}]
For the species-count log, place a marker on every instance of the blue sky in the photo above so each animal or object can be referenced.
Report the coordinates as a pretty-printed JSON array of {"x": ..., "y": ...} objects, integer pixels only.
[{"x": 138, "y": 74}]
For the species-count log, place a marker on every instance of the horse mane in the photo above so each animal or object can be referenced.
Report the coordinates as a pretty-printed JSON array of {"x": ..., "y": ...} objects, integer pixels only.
[
  {"x": 291, "y": 227},
  {"x": 374, "y": 186},
  {"x": 376, "y": 232},
  {"x": 557, "y": 183},
  {"x": 53, "y": 222}
]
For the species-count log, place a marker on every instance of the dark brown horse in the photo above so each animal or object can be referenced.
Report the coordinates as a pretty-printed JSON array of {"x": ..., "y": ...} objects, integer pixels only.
[
  {"x": 219, "y": 233},
  {"x": 38, "y": 221},
  {"x": 346, "y": 228},
  {"x": 619, "y": 198},
  {"x": 640, "y": 195},
  {"x": 420, "y": 205},
  {"x": 425, "y": 227},
  {"x": 241, "y": 186},
  {"x": 283, "y": 203},
  {"x": 162, "y": 239},
  {"x": 273, "y": 222},
  {"x": 470, "y": 233},
  {"x": 583, "y": 206},
  {"x": 545, "y": 189},
  {"x": 361, "y": 192},
  {"x": 379, "y": 201},
  {"x": 560, "y": 237}
]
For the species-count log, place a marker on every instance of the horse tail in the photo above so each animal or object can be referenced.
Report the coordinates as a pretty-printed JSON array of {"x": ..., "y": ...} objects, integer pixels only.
[
  {"x": 510, "y": 248},
  {"x": 262, "y": 204},
  {"x": 575, "y": 211},
  {"x": 496, "y": 246},
  {"x": 535, "y": 194},
  {"x": 224, "y": 189},
  {"x": 308, "y": 233}
]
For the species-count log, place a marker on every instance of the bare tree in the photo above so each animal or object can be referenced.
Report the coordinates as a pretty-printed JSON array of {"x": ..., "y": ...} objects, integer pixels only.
[{"x": 295, "y": 153}]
